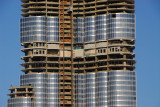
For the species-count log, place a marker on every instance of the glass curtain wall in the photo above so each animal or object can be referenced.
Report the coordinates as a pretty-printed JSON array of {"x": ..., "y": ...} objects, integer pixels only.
[
  {"x": 39, "y": 29},
  {"x": 121, "y": 26},
  {"x": 46, "y": 88},
  {"x": 103, "y": 27},
  {"x": 20, "y": 102},
  {"x": 106, "y": 89},
  {"x": 121, "y": 89}
]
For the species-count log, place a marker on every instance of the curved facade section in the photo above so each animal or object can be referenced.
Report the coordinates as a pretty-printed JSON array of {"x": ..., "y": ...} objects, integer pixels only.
[
  {"x": 90, "y": 30},
  {"x": 39, "y": 29},
  {"x": 46, "y": 88},
  {"x": 79, "y": 29},
  {"x": 52, "y": 29},
  {"x": 20, "y": 102},
  {"x": 101, "y": 89},
  {"x": 80, "y": 86},
  {"x": 53, "y": 90},
  {"x": 101, "y": 27},
  {"x": 121, "y": 26},
  {"x": 85, "y": 90},
  {"x": 91, "y": 90},
  {"x": 106, "y": 89},
  {"x": 122, "y": 89}
]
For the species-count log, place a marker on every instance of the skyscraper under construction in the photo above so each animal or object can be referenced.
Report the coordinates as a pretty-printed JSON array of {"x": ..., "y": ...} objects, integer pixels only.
[{"x": 78, "y": 53}]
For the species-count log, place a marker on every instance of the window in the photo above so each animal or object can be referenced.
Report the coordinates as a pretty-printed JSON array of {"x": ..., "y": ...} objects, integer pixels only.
[
  {"x": 101, "y": 51},
  {"x": 104, "y": 50},
  {"x": 112, "y": 49}
]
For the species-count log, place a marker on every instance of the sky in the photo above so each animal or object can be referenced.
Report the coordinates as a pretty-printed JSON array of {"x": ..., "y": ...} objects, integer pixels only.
[{"x": 147, "y": 50}]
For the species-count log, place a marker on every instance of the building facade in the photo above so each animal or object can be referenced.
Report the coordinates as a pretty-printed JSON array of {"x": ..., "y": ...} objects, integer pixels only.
[{"x": 77, "y": 53}]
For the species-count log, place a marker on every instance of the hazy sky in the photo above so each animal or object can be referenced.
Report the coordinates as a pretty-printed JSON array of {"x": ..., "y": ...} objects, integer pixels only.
[{"x": 147, "y": 50}]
